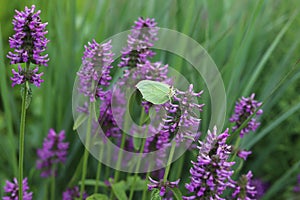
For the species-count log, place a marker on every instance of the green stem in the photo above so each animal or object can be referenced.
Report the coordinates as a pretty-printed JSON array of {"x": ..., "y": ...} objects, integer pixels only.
[
  {"x": 21, "y": 143},
  {"x": 236, "y": 148},
  {"x": 145, "y": 190},
  {"x": 53, "y": 186},
  {"x": 120, "y": 154},
  {"x": 107, "y": 170},
  {"x": 76, "y": 174},
  {"x": 169, "y": 162},
  {"x": 98, "y": 170},
  {"x": 142, "y": 116},
  {"x": 86, "y": 152},
  {"x": 179, "y": 166},
  {"x": 117, "y": 172},
  {"x": 138, "y": 164}
]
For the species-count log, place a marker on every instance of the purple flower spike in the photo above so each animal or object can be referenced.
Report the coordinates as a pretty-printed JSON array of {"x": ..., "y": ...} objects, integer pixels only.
[
  {"x": 73, "y": 193},
  {"x": 12, "y": 188},
  {"x": 94, "y": 75},
  {"x": 29, "y": 40},
  {"x": 211, "y": 173},
  {"x": 244, "y": 154},
  {"x": 244, "y": 189},
  {"x": 161, "y": 185},
  {"x": 260, "y": 186},
  {"x": 142, "y": 37},
  {"x": 54, "y": 151},
  {"x": 243, "y": 109},
  {"x": 188, "y": 108},
  {"x": 31, "y": 76},
  {"x": 297, "y": 187}
]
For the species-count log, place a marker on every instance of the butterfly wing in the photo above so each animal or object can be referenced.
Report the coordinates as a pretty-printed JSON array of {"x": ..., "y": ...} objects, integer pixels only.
[{"x": 153, "y": 91}]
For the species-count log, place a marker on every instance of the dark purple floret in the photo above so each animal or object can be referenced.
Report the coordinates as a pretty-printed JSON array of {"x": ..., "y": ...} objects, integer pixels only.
[
  {"x": 73, "y": 194},
  {"x": 244, "y": 154},
  {"x": 29, "y": 40},
  {"x": 31, "y": 76},
  {"x": 244, "y": 108},
  {"x": 12, "y": 190},
  {"x": 243, "y": 189},
  {"x": 94, "y": 76},
  {"x": 139, "y": 42},
  {"x": 211, "y": 173},
  {"x": 260, "y": 186},
  {"x": 54, "y": 151},
  {"x": 161, "y": 185},
  {"x": 297, "y": 187}
]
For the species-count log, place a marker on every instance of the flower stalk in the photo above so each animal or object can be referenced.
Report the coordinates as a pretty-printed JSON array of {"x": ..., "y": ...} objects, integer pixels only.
[
  {"x": 21, "y": 142},
  {"x": 86, "y": 152}
]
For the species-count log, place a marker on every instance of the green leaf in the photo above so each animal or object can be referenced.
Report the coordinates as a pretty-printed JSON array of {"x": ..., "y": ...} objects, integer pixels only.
[
  {"x": 139, "y": 184},
  {"x": 155, "y": 195},
  {"x": 80, "y": 119},
  {"x": 92, "y": 182},
  {"x": 267, "y": 55},
  {"x": 97, "y": 197},
  {"x": 137, "y": 143},
  {"x": 155, "y": 92},
  {"x": 119, "y": 190},
  {"x": 176, "y": 193},
  {"x": 281, "y": 182}
]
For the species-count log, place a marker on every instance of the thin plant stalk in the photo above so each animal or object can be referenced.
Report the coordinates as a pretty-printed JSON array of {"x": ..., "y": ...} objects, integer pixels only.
[
  {"x": 53, "y": 184},
  {"x": 117, "y": 172},
  {"x": 86, "y": 152},
  {"x": 22, "y": 136},
  {"x": 138, "y": 164},
  {"x": 145, "y": 190},
  {"x": 180, "y": 166},
  {"x": 99, "y": 167},
  {"x": 172, "y": 151},
  {"x": 120, "y": 154}
]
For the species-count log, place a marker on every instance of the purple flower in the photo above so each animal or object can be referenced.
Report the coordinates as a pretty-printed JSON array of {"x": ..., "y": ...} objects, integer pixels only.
[
  {"x": 161, "y": 185},
  {"x": 211, "y": 173},
  {"x": 29, "y": 40},
  {"x": 142, "y": 36},
  {"x": 244, "y": 154},
  {"x": 22, "y": 76},
  {"x": 243, "y": 189},
  {"x": 297, "y": 187},
  {"x": 180, "y": 119},
  {"x": 12, "y": 190},
  {"x": 260, "y": 186},
  {"x": 94, "y": 75},
  {"x": 188, "y": 109},
  {"x": 73, "y": 193},
  {"x": 244, "y": 108},
  {"x": 54, "y": 151}
]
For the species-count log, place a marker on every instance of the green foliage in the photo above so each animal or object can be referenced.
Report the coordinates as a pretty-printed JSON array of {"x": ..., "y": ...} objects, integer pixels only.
[
  {"x": 155, "y": 195},
  {"x": 119, "y": 190},
  {"x": 97, "y": 197},
  {"x": 140, "y": 184},
  {"x": 177, "y": 194}
]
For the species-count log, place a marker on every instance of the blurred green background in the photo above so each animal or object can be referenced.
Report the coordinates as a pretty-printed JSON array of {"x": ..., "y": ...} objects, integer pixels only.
[{"x": 254, "y": 43}]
